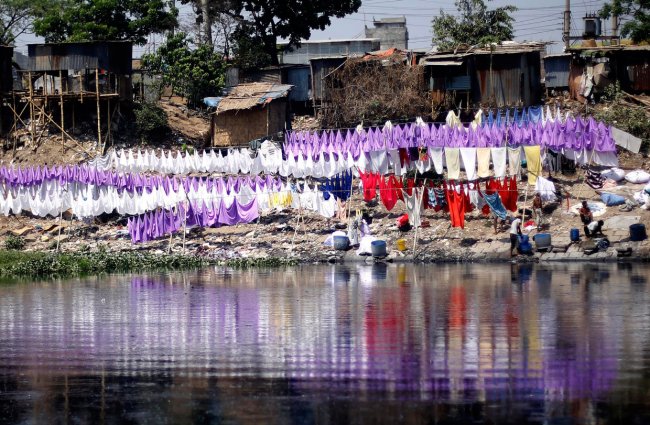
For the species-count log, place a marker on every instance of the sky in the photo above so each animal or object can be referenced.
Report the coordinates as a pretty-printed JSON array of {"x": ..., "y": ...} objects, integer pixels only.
[{"x": 536, "y": 20}]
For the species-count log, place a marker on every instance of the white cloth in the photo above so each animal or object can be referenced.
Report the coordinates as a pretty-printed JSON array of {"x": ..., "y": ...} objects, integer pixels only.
[
  {"x": 469, "y": 162},
  {"x": 413, "y": 206},
  {"x": 546, "y": 189},
  {"x": 436, "y": 157},
  {"x": 499, "y": 161}
]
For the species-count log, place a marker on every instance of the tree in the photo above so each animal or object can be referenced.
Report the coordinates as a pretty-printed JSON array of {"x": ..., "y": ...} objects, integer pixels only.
[
  {"x": 193, "y": 72},
  {"x": 638, "y": 12},
  {"x": 268, "y": 20},
  {"x": 475, "y": 25},
  {"x": 16, "y": 18},
  {"x": 90, "y": 20}
]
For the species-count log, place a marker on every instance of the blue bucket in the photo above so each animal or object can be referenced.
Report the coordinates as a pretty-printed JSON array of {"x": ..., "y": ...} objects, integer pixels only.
[
  {"x": 378, "y": 248},
  {"x": 542, "y": 240},
  {"x": 575, "y": 235}
]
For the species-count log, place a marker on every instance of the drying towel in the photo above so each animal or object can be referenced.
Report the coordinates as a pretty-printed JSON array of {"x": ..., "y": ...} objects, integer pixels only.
[
  {"x": 436, "y": 157},
  {"x": 453, "y": 163},
  {"x": 469, "y": 162},
  {"x": 499, "y": 161},
  {"x": 514, "y": 161},
  {"x": 483, "y": 156},
  {"x": 534, "y": 161}
]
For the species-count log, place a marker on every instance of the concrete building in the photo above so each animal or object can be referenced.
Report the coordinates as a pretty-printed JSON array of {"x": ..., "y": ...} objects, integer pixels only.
[
  {"x": 391, "y": 32},
  {"x": 317, "y": 49}
]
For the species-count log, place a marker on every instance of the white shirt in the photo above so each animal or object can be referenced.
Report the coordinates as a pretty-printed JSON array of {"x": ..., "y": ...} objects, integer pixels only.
[{"x": 513, "y": 227}]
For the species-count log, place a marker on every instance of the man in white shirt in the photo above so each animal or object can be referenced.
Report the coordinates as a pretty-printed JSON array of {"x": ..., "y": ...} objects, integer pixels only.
[{"x": 515, "y": 232}]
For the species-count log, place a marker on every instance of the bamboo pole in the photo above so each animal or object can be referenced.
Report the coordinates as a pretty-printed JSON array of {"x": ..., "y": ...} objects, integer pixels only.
[
  {"x": 32, "y": 130},
  {"x": 108, "y": 132},
  {"x": 99, "y": 122},
  {"x": 62, "y": 116}
]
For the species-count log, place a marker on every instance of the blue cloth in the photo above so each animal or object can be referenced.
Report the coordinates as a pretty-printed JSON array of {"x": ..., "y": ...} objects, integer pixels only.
[
  {"x": 495, "y": 204},
  {"x": 612, "y": 200},
  {"x": 535, "y": 114}
]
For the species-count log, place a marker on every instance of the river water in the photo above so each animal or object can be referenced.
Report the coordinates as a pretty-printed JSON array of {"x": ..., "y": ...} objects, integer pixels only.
[{"x": 447, "y": 344}]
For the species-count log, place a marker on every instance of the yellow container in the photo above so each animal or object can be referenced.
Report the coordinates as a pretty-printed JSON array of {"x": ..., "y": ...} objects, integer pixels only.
[{"x": 401, "y": 244}]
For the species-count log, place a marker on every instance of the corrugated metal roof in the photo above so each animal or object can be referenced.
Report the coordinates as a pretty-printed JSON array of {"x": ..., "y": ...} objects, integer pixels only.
[
  {"x": 443, "y": 63},
  {"x": 246, "y": 96}
]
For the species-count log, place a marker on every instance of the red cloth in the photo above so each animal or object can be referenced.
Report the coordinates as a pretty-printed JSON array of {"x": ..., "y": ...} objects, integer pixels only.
[
  {"x": 456, "y": 204},
  {"x": 390, "y": 192},
  {"x": 404, "y": 157},
  {"x": 514, "y": 195},
  {"x": 369, "y": 181}
]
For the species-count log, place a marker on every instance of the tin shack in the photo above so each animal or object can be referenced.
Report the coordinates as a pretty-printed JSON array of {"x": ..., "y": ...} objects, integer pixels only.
[{"x": 249, "y": 112}]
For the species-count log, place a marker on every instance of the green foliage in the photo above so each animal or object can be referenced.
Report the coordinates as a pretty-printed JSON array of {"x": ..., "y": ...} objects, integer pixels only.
[
  {"x": 14, "y": 243},
  {"x": 16, "y": 18},
  {"x": 91, "y": 20},
  {"x": 54, "y": 265},
  {"x": 264, "y": 21},
  {"x": 633, "y": 120},
  {"x": 248, "y": 50},
  {"x": 192, "y": 72},
  {"x": 636, "y": 15},
  {"x": 476, "y": 25},
  {"x": 150, "y": 121}
]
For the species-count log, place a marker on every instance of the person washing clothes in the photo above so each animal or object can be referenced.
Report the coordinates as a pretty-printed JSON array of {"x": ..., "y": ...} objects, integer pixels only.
[
  {"x": 591, "y": 227},
  {"x": 537, "y": 211},
  {"x": 515, "y": 232}
]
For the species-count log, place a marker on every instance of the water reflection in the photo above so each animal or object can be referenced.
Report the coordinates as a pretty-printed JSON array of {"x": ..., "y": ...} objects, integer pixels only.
[{"x": 332, "y": 344}]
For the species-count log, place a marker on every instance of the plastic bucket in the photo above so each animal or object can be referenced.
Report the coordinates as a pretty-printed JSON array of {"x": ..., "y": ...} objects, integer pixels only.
[
  {"x": 575, "y": 235},
  {"x": 378, "y": 248},
  {"x": 637, "y": 232},
  {"x": 401, "y": 244},
  {"x": 542, "y": 240},
  {"x": 341, "y": 243}
]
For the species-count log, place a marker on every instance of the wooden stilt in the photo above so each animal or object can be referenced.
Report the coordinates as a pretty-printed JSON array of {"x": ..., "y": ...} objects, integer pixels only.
[
  {"x": 62, "y": 116},
  {"x": 99, "y": 122},
  {"x": 32, "y": 129},
  {"x": 108, "y": 132}
]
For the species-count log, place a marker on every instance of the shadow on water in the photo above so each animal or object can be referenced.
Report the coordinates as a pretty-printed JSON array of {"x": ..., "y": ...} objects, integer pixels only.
[{"x": 334, "y": 344}]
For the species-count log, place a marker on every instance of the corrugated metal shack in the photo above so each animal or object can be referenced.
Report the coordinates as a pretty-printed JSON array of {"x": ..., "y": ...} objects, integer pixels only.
[
  {"x": 509, "y": 74},
  {"x": 556, "y": 70},
  {"x": 77, "y": 63},
  {"x": 297, "y": 76},
  {"x": 321, "y": 68},
  {"x": 70, "y": 83},
  {"x": 629, "y": 65},
  {"x": 249, "y": 112}
]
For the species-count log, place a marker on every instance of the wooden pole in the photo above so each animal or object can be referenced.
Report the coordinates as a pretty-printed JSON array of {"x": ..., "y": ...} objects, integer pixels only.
[
  {"x": 62, "y": 116},
  {"x": 73, "y": 117},
  {"x": 15, "y": 123},
  {"x": 99, "y": 122},
  {"x": 415, "y": 237},
  {"x": 81, "y": 88},
  {"x": 108, "y": 132},
  {"x": 32, "y": 129}
]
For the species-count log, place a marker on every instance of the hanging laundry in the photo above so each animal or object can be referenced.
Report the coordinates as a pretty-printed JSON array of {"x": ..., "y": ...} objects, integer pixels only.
[
  {"x": 469, "y": 162},
  {"x": 413, "y": 206},
  {"x": 546, "y": 189},
  {"x": 499, "y": 160},
  {"x": 494, "y": 202},
  {"x": 389, "y": 190},
  {"x": 534, "y": 163},
  {"x": 452, "y": 157},
  {"x": 436, "y": 159},
  {"x": 483, "y": 160},
  {"x": 457, "y": 203},
  {"x": 370, "y": 181},
  {"x": 514, "y": 161}
]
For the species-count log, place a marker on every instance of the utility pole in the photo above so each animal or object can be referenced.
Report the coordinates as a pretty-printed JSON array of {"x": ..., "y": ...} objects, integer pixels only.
[
  {"x": 566, "y": 32},
  {"x": 207, "y": 22}
]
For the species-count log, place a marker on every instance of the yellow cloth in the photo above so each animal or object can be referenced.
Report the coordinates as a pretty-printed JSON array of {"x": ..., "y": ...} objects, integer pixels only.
[
  {"x": 483, "y": 159},
  {"x": 534, "y": 161},
  {"x": 452, "y": 156}
]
